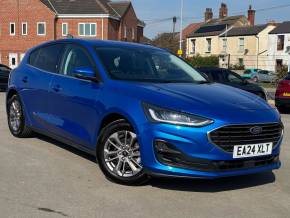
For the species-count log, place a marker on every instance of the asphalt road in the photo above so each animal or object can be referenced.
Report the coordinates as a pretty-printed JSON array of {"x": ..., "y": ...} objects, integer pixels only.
[{"x": 40, "y": 177}]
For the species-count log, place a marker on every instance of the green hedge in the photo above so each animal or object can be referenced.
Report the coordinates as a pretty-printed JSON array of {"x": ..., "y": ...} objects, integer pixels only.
[{"x": 198, "y": 61}]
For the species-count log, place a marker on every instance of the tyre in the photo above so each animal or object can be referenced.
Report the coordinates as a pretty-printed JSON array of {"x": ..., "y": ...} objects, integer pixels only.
[
  {"x": 16, "y": 119},
  {"x": 255, "y": 79},
  {"x": 118, "y": 154}
]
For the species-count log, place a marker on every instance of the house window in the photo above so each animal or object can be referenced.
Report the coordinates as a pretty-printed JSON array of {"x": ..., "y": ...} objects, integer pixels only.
[
  {"x": 41, "y": 28},
  {"x": 208, "y": 41},
  {"x": 125, "y": 32},
  {"x": 24, "y": 28},
  {"x": 193, "y": 43},
  {"x": 241, "y": 62},
  {"x": 12, "y": 29},
  {"x": 225, "y": 42},
  {"x": 87, "y": 29},
  {"x": 64, "y": 29},
  {"x": 133, "y": 33},
  {"x": 280, "y": 42},
  {"x": 241, "y": 44}
]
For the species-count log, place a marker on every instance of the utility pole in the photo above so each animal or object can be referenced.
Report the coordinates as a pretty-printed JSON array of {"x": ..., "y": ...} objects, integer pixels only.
[{"x": 180, "y": 52}]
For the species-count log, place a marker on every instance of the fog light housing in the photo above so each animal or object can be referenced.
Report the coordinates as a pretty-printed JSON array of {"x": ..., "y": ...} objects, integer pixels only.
[{"x": 163, "y": 147}]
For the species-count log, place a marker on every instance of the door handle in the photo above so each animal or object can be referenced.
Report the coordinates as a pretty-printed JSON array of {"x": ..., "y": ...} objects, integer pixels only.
[
  {"x": 25, "y": 79},
  {"x": 57, "y": 88}
]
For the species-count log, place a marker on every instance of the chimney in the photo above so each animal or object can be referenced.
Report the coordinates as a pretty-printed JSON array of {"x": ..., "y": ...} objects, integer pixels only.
[
  {"x": 223, "y": 11},
  {"x": 208, "y": 15},
  {"x": 251, "y": 15}
]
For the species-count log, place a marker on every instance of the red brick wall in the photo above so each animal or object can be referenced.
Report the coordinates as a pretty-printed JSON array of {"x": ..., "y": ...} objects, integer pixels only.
[
  {"x": 30, "y": 11},
  {"x": 33, "y": 11},
  {"x": 113, "y": 29},
  {"x": 73, "y": 26},
  {"x": 131, "y": 22}
]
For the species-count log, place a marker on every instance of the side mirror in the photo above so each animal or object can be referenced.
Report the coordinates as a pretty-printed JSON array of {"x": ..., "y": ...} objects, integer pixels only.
[{"x": 85, "y": 73}]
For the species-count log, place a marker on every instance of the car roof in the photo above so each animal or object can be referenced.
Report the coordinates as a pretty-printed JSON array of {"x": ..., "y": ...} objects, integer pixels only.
[
  {"x": 95, "y": 43},
  {"x": 212, "y": 69}
]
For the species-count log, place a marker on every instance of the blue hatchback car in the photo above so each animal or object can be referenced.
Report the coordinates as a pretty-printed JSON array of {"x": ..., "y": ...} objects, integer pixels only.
[{"x": 141, "y": 111}]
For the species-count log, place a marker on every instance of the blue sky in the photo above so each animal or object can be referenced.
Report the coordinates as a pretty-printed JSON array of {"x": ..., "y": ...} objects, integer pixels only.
[{"x": 150, "y": 10}]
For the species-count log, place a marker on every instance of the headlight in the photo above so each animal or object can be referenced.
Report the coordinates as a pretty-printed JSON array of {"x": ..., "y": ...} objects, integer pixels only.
[{"x": 156, "y": 114}]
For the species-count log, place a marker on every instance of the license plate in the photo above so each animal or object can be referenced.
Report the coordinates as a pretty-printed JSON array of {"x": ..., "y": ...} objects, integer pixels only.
[
  {"x": 286, "y": 94},
  {"x": 242, "y": 151}
]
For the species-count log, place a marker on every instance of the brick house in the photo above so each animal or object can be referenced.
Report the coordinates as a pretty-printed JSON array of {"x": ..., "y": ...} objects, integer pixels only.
[{"x": 26, "y": 23}]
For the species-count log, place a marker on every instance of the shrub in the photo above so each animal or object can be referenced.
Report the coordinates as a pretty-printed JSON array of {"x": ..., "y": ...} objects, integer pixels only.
[{"x": 199, "y": 61}]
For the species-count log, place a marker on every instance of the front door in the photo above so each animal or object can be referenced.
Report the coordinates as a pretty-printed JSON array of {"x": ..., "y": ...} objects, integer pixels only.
[
  {"x": 13, "y": 60},
  {"x": 75, "y": 108}
]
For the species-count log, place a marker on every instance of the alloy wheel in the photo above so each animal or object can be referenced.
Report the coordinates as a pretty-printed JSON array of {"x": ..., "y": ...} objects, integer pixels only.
[
  {"x": 122, "y": 154},
  {"x": 15, "y": 115}
]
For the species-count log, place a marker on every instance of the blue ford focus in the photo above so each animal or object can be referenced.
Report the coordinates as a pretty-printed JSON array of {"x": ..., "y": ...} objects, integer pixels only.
[{"x": 141, "y": 111}]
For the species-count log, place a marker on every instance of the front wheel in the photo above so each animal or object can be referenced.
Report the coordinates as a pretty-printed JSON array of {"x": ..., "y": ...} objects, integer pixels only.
[
  {"x": 118, "y": 154},
  {"x": 16, "y": 118}
]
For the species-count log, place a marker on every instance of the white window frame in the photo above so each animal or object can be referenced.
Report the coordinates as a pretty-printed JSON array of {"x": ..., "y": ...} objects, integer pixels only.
[
  {"x": 241, "y": 46},
  {"x": 225, "y": 44},
  {"x": 133, "y": 33},
  {"x": 193, "y": 46},
  {"x": 84, "y": 33},
  {"x": 62, "y": 29},
  {"x": 125, "y": 32},
  {"x": 12, "y": 23},
  {"x": 41, "y": 34},
  {"x": 208, "y": 45},
  {"x": 22, "y": 32}
]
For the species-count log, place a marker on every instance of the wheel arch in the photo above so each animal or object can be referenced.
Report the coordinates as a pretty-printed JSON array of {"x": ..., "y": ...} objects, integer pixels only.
[{"x": 112, "y": 117}]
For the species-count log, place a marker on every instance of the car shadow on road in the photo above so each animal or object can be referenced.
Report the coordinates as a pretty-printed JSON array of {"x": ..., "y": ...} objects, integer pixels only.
[
  {"x": 66, "y": 147},
  {"x": 178, "y": 184},
  {"x": 216, "y": 185}
]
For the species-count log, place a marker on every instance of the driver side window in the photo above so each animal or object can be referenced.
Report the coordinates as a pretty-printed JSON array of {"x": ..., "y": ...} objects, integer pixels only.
[
  {"x": 74, "y": 57},
  {"x": 231, "y": 77}
]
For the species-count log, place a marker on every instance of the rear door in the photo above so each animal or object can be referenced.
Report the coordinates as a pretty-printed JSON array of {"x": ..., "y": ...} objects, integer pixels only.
[
  {"x": 35, "y": 80},
  {"x": 75, "y": 109}
]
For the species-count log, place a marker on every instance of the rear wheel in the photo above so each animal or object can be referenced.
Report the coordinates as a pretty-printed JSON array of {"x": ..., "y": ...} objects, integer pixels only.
[
  {"x": 16, "y": 118},
  {"x": 118, "y": 154},
  {"x": 256, "y": 79}
]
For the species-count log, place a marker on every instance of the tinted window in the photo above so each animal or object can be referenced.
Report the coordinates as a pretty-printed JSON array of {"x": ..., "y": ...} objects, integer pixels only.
[
  {"x": 232, "y": 77},
  {"x": 147, "y": 64},
  {"x": 288, "y": 77},
  {"x": 4, "y": 68},
  {"x": 247, "y": 72},
  {"x": 46, "y": 58},
  {"x": 74, "y": 57}
]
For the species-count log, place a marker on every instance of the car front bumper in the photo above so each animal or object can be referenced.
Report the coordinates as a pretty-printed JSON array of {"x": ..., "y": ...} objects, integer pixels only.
[{"x": 196, "y": 156}]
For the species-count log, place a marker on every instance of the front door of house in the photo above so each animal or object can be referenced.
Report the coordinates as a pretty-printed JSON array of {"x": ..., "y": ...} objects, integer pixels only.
[{"x": 13, "y": 60}]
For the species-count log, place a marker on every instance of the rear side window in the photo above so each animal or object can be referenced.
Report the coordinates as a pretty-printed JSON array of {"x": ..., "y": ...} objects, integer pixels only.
[
  {"x": 288, "y": 77},
  {"x": 46, "y": 58}
]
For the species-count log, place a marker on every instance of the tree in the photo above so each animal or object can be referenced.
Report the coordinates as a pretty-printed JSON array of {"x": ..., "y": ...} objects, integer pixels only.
[{"x": 167, "y": 41}]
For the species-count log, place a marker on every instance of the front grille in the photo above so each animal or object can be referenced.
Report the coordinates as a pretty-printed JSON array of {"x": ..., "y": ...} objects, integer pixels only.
[
  {"x": 169, "y": 155},
  {"x": 229, "y": 136}
]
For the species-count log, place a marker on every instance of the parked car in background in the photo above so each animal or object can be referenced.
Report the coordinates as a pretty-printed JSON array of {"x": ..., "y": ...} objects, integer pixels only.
[
  {"x": 4, "y": 75},
  {"x": 282, "y": 97},
  {"x": 227, "y": 77},
  {"x": 251, "y": 74},
  {"x": 141, "y": 111},
  {"x": 260, "y": 75}
]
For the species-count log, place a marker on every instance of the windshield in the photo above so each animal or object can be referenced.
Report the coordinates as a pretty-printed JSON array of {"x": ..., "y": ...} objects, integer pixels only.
[{"x": 147, "y": 65}]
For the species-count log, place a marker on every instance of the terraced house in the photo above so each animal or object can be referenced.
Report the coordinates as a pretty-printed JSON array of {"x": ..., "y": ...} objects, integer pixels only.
[
  {"x": 205, "y": 41},
  {"x": 26, "y": 23},
  {"x": 246, "y": 46}
]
